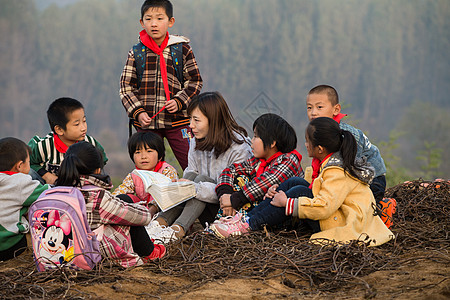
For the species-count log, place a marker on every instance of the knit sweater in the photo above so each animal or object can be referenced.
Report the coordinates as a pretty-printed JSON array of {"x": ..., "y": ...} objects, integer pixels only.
[
  {"x": 343, "y": 205},
  {"x": 150, "y": 97},
  {"x": 17, "y": 193},
  {"x": 46, "y": 158}
]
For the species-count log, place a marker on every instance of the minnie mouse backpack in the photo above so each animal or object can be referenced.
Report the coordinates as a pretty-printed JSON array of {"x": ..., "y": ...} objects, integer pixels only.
[{"x": 60, "y": 233}]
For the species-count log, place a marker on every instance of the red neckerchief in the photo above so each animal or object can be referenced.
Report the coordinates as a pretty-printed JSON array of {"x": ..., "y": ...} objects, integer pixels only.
[
  {"x": 8, "y": 172},
  {"x": 157, "y": 167},
  {"x": 59, "y": 145},
  {"x": 315, "y": 164},
  {"x": 339, "y": 117},
  {"x": 262, "y": 166},
  {"x": 151, "y": 44}
]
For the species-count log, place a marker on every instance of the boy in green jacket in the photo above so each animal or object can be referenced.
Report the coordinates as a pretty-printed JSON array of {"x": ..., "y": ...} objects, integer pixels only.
[{"x": 17, "y": 192}]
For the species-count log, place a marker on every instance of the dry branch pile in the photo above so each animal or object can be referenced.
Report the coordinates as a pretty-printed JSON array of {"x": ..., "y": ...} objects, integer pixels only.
[{"x": 422, "y": 221}]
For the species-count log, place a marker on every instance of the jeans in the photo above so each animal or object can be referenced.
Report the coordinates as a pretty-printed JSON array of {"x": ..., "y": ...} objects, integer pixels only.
[
  {"x": 378, "y": 187},
  {"x": 267, "y": 214}
]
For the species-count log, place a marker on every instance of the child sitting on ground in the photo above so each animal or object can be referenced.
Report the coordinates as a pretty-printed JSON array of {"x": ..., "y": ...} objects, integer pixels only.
[
  {"x": 147, "y": 151},
  {"x": 275, "y": 160},
  {"x": 67, "y": 121},
  {"x": 339, "y": 207},
  {"x": 219, "y": 141},
  {"x": 17, "y": 192},
  {"x": 323, "y": 101},
  {"x": 124, "y": 237}
]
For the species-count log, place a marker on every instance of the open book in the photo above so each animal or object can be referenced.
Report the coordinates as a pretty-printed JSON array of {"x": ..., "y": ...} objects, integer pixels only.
[{"x": 166, "y": 193}]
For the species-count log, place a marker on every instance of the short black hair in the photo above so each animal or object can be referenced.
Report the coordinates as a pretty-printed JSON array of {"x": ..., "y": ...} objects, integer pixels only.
[
  {"x": 144, "y": 140},
  {"x": 330, "y": 91},
  {"x": 271, "y": 127},
  {"x": 12, "y": 151},
  {"x": 166, "y": 4},
  {"x": 59, "y": 110}
]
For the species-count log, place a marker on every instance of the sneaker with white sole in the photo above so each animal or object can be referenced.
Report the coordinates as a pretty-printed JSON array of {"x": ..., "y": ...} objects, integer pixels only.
[
  {"x": 229, "y": 219},
  {"x": 224, "y": 230},
  {"x": 153, "y": 228},
  {"x": 165, "y": 235}
]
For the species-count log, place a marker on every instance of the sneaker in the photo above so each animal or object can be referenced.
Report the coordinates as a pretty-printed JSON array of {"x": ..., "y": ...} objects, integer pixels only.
[
  {"x": 224, "y": 230},
  {"x": 387, "y": 208},
  {"x": 229, "y": 219},
  {"x": 165, "y": 235},
  {"x": 158, "y": 252},
  {"x": 153, "y": 228}
]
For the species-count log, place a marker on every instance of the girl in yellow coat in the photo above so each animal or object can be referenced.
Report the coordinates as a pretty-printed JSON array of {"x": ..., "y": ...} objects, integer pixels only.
[{"x": 340, "y": 206}]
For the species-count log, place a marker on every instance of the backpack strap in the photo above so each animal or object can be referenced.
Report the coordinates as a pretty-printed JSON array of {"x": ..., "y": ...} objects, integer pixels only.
[
  {"x": 140, "y": 54},
  {"x": 176, "y": 51}
]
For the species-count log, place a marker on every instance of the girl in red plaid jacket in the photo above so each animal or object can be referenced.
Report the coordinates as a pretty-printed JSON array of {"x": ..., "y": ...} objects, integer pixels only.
[{"x": 275, "y": 160}]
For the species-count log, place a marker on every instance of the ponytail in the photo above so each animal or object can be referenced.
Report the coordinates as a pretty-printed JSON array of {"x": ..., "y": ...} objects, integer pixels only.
[
  {"x": 81, "y": 158},
  {"x": 327, "y": 133},
  {"x": 348, "y": 150}
]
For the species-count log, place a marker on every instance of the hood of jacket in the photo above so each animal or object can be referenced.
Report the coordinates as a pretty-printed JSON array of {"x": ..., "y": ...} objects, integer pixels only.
[{"x": 364, "y": 171}]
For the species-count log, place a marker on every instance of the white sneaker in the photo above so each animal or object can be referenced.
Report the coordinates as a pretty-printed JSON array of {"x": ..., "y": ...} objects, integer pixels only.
[
  {"x": 153, "y": 228},
  {"x": 165, "y": 235}
]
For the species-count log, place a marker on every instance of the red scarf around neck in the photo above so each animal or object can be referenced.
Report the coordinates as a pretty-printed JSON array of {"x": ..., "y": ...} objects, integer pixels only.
[
  {"x": 339, "y": 117},
  {"x": 315, "y": 164},
  {"x": 59, "y": 145},
  {"x": 9, "y": 172},
  {"x": 263, "y": 165},
  {"x": 157, "y": 167},
  {"x": 151, "y": 44}
]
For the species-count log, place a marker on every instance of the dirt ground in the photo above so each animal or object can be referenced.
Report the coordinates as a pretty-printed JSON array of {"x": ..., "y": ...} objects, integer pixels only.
[
  {"x": 418, "y": 266},
  {"x": 418, "y": 277}
]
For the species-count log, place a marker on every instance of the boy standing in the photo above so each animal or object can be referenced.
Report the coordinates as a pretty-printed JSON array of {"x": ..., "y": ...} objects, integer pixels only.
[
  {"x": 155, "y": 99},
  {"x": 67, "y": 121},
  {"x": 17, "y": 192},
  {"x": 323, "y": 101}
]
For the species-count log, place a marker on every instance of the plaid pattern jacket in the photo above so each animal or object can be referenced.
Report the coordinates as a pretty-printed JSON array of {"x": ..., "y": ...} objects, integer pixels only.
[
  {"x": 116, "y": 216},
  {"x": 150, "y": 97},
  {"x": 280, "y": 169}
]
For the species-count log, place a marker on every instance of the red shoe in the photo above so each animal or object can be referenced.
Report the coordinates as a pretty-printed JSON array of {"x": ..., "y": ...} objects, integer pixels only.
[
  {"x": 158, "y": 252},
  {"x": 387, "y": 208}
]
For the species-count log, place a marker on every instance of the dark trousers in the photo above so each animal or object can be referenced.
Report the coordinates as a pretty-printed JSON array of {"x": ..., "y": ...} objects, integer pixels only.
[
  {"x": 378, "y": 187},
  {"x": 267, "y": 214},
  {"x": 142, "y": 244},
  {"x": 15, "y": 250},
  {"x": 178, "y": 138}
]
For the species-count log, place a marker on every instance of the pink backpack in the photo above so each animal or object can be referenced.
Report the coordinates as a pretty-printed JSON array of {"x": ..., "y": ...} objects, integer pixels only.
[{"x": 60, "y": 233}]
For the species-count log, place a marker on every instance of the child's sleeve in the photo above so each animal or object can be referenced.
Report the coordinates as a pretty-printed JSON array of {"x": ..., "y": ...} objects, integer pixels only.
[
  {"x": 226, "y": 178},
  {"x": 94, "y": 142},
  {"x": 193, "y": 82},
  {"x": 112, "y": 210},
  {"x": 126, "y": 187},
  {"x": 333, "y": 191},
  {"x": 129, "y": 87},
  {"x": 170, "y": 172},
  {"x": 281, "y": 170},
  {"x": 36, "y": 159},
  {"x": 32, "y": 196}
]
